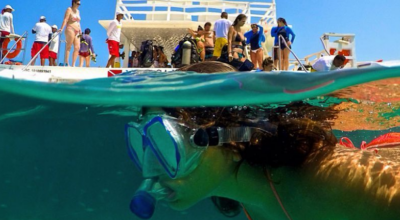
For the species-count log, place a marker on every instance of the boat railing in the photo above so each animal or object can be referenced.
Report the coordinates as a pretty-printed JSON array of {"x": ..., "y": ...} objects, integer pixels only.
[
  {"x": 23, "y": 36},
  {"x": 192, "y": 10},
  {"x": 281, "y": 40},
  {"x": 37, "y": 54}
]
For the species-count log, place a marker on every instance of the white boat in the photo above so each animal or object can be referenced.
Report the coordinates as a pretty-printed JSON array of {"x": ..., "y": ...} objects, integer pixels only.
[{"x": 166, "y": 22}]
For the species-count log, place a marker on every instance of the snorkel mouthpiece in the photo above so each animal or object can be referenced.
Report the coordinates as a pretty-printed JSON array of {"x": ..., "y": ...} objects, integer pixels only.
[{"x": 145, "y": 198}]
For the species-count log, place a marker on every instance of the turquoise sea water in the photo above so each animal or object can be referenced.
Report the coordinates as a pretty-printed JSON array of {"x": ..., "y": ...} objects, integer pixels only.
[{"x": 62, "y": 148}]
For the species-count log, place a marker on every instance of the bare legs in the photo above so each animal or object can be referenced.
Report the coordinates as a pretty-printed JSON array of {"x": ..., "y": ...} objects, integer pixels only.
[
  {"x": 285, "y": 59},
  {"x": 284, "y": 65},
  {"x": 257, "y": 58},
  {"x": 71, "y": 38},
  {"x": 110, "y": 62},
  {"x": 82, "y": 59},
  {"x": 200, "y": 46},
  {"x": 52, "y": 62}
]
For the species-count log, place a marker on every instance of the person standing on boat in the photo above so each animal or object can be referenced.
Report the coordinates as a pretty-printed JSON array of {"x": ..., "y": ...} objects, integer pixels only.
[
  {"x": 327, "y": 63},
  {"x": 282, "y": 30},
  {"x": 6, "y": 24},
  {"x": 43, "y": 32},
  {"x": 236, "y": 39},
  {"x": 73, "y": 31},
  {"x": 255, "y": 37},
  {"x": 209, "y": 36},
  {"x": 221, "y": 28},
  {"x": 114, "y": 35},
  {"x": 53, "y": 48},
  {"x": 86, "y": 50}
]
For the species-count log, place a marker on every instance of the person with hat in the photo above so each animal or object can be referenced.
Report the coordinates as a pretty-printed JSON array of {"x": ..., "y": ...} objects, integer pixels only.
[
  {"x": 54, "y": 46},
  {"x": 42, "y": 31},
  {"x": 114, "y": 35},
  {"x": 6, "y": 24},
  {"x": 86, "y": 51}
]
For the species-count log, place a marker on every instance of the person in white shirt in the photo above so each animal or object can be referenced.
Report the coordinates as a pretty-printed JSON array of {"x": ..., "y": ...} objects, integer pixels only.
[
  {"x": 221, "y": 28},
  {"x": 54, "y": 46},
  {"x": 42, "y": 31},
  {"x": 114, "y": 35},
  {"x": 328, "y": 63},
  {"x": 6, "y": 23}
]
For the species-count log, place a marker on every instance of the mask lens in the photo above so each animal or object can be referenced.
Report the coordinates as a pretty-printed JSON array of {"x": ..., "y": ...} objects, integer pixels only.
[
  {"x": 136, "y": 147},
  {"x": 164, "y": 146}
]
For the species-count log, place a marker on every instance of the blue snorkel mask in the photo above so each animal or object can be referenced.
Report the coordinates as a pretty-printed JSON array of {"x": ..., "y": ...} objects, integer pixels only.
[{"x": 162, "y": 145}]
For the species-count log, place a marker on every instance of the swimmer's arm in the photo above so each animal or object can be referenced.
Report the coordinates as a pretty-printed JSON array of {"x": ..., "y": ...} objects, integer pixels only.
[
  {"x": 290, "y": 32},
  {"x": 34, "y": 30},
  {"x": 214, "y": 37},
  {"x": 274, "y": 32},
  {"x": 11, "y": 24},
  {"x": 248, "y": 36},
  {"x": 192, "y": 32},
  {"x": 230, "y": 34},
  {"x": 66, "y": 16}
]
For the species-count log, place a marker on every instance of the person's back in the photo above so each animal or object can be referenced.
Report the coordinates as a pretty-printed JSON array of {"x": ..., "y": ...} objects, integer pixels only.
[
  {"x": 5, "y": 22},
  {"x": 86, "y": 43},
  {"x": 42, "y": 31},
  {"x": 327, "y": 63},
  {"x": 221, "y": 27}
]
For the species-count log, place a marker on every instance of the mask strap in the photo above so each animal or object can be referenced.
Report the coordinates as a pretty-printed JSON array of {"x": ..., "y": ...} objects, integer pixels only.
[{"x": 219, "y": 136}]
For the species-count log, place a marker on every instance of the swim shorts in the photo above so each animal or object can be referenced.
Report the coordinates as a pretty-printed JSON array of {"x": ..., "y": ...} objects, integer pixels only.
[
  {"x": 37, "y": 46},
  {"x": 113, "y": 48},
  {"x": 219, "y": 44},
  {"x": 84, "y": 54},
  {"x": 52, "y": 55}
]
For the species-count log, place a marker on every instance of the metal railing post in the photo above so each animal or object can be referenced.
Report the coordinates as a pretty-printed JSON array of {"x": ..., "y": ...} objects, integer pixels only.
[
  {"x": 16, "y": 42},
  {"x": 37, "y": 54},
  {"x": 298, "y": 60}
]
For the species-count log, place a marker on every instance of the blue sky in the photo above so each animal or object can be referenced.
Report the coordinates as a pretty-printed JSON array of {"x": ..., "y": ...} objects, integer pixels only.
[{"x": 375, "y": 23}]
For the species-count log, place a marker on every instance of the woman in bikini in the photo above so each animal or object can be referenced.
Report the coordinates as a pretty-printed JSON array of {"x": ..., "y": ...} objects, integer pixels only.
[
  {"x": 255, "y": 37},
  {"x": 198, "y": 36},
  {"x": 73, "y": 31},
  {"x": 278, "y": 163},
  {"x": 236, "y": 38}
]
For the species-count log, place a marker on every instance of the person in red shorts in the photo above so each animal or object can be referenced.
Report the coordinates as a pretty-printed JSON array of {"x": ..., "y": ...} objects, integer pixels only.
[
  {"x": 86, "y": 51},
  {"x": 54, "y": 46},
  {"x": 42, "y": 31},
  {"x": 6, "y": 24},
  {"x": 114, "y": 34}
]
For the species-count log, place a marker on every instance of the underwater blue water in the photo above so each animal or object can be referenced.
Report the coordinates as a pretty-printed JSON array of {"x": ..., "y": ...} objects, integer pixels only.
[{"x": 62, "y": 147}]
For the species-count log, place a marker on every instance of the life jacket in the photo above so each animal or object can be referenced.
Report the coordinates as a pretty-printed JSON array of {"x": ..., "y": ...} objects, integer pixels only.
[{"x": 176, "y": 58}]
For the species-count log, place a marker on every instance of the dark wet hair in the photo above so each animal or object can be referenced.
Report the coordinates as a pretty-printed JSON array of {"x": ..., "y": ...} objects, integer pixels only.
[
  {"x": 224, "y": 15},
  {"x": 239, "y": 18},
  {"x": 340, "y": 57},
  {"x": 288, "y": 134},
  {"x": 75, "y": 1},
  {"x": 87, "y": 31},
  {"x": 207, "y": 23},
  {"x": 209, "y": 67},
  {"x": 200, "y": 28},
  {"x": 282, "y": 20}
]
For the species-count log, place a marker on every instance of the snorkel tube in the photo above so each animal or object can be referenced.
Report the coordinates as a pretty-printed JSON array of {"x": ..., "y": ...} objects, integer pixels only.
[{"x": 145, "y": 198}]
